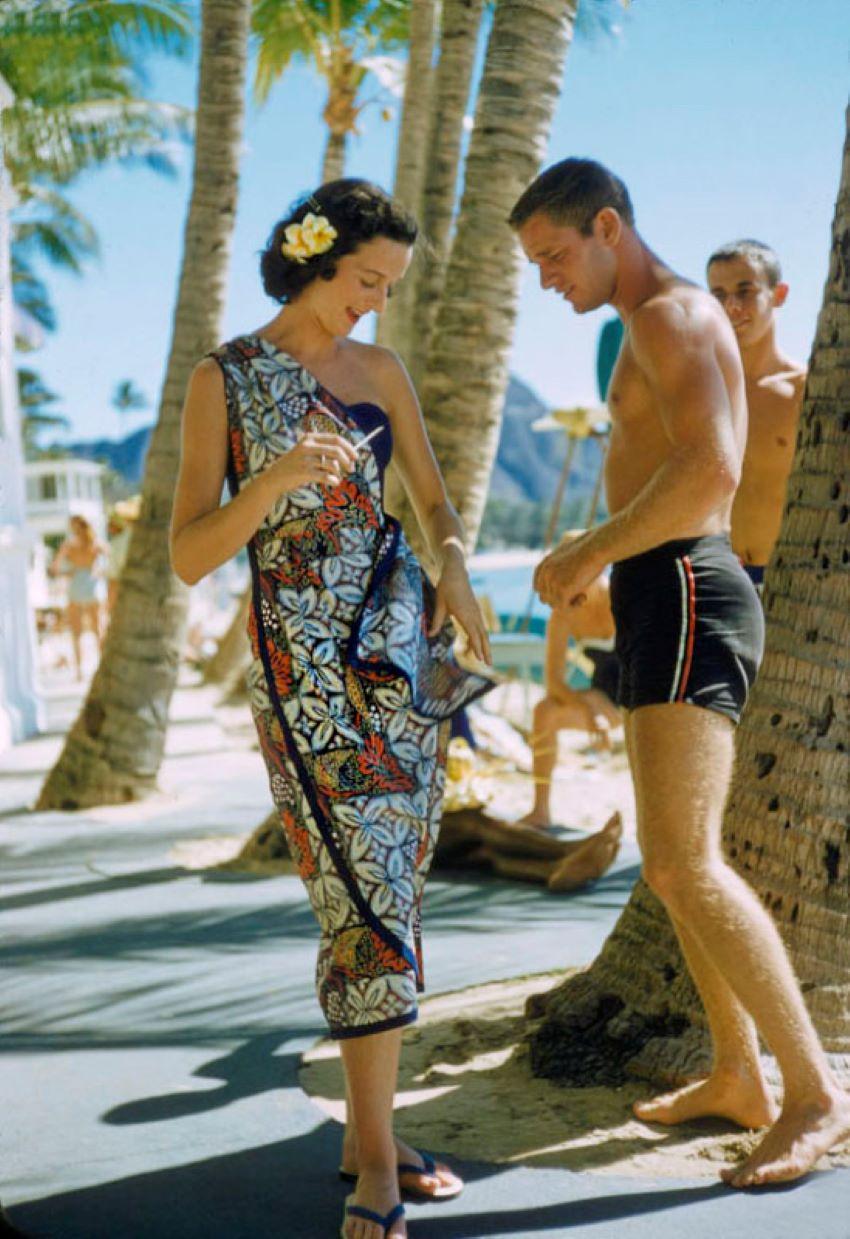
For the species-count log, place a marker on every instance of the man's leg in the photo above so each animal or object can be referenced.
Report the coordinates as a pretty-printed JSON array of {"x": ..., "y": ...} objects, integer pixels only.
[
  {"x": 735, "y": 1088},
  {"x": 683, "y": 756},
  {"x": 545, "y": 722},
  {"x": 550, "y": 717}
]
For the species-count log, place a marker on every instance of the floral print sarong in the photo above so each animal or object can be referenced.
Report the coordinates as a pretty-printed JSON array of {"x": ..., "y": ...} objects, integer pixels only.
[{"x": 349, "y": 696}]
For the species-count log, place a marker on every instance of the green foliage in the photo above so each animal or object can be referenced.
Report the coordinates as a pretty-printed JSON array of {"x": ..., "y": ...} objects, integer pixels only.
[
  {"x": 521, "y": 522},
  {"x": 35, "y": 399},
  {"x": 317, "y": 31},
  {"x": 74, "y": 69},
  {"x": 127, "y": 397}
]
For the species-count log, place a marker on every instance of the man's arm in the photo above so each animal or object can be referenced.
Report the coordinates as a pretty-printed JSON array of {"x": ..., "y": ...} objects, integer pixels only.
[{"x": 675, "y": 351}]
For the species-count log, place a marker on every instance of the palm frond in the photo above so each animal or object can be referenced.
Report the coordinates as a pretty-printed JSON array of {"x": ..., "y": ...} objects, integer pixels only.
[
  {"x": 30, "y": 293},
  {"x": 58, "y": 143}
]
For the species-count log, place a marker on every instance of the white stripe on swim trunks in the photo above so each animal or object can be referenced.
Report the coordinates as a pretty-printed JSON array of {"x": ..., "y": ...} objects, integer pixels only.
[{"x": 677, "y": 675}]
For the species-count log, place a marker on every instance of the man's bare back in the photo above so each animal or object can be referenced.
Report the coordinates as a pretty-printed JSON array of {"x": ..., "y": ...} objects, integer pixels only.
[
  {"x": 774, "y": 408},
  {"x": 639, "y": 443},
  {"x": 746, "y": 280}
]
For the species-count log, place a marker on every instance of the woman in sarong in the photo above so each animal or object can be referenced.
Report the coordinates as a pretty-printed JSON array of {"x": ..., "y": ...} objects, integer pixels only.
[{"x": 353, "y": 678}]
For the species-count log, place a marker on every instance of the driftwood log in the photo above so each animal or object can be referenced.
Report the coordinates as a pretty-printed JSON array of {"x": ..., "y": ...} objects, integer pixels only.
[{"x": 470, "y": 838}]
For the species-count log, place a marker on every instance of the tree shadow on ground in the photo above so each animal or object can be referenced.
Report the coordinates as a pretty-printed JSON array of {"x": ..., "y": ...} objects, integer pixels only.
[
  {"x": 288, "y": 1188},
  {"x": 249, "y": 1070},
  {"x": 81, "y": 890}
]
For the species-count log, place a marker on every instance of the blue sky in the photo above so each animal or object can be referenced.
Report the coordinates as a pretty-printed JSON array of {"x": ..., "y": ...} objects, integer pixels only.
[{"x": 724, "y": 117}]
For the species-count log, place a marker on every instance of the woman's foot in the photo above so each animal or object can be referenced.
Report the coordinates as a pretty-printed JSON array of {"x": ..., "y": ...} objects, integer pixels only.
[
  {"x": 744, "y": 1100},
  {"x": 377, "y": 1192},
  {"x": 799, "y": 1137},
  {"x": 441, "y": 1184}
]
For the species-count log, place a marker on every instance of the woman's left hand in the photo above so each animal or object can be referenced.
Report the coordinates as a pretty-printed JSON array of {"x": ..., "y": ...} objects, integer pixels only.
[{"x": 456, "y": 599}]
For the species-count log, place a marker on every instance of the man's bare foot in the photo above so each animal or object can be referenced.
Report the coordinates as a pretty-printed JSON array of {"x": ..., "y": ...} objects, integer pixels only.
[
  {"x": 800, "y": 1136},
  {"x": 743, "y": 1099},
  {"x": 590, "y": 859},
  {"x": 377, "y": 1192},
  {"x": 540, "y": 819}
]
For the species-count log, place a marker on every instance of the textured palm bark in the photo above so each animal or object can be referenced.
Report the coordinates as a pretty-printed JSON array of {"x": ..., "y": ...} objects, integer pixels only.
[
  {"x": 233, "y": 650},
  {"x": 114, "y": 749},
  {"x": 787, "y": 822},
  {"x": 467, "y": 370},
  {"x": 411, "y": 150},
  {"x": 333, "y": 161},
  {"x": 459, "y": 41}
]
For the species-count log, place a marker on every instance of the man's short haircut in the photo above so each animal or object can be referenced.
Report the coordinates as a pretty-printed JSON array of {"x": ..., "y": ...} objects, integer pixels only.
[
  {"x": 756, "y": 252},
  {"x": 573, "y": 192}
]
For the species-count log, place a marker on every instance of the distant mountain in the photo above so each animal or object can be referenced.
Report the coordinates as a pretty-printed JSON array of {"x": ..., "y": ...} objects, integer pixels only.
[
  {"x": 528, "y": 463},
  {"x": 123, "y": 456}
]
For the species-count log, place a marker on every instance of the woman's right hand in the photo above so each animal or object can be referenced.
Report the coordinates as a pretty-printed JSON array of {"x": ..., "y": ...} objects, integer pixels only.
[{"x": 317, "y": 458}]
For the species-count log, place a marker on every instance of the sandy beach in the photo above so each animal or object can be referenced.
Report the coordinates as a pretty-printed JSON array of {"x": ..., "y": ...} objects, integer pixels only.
[{"x": 466, "y": 1089}]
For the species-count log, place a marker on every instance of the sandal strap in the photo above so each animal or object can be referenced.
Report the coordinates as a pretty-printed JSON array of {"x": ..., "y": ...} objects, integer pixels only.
[
  {"x": 369, "y": 1215},
  {"x": 429, "y": 1166}
]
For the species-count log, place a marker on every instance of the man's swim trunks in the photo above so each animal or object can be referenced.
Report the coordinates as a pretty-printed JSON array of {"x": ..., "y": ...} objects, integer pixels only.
[
  {"x": 756, "y": 574},
  {"x": 606, "y": 668},
  {"x": 690, "y": 626}
]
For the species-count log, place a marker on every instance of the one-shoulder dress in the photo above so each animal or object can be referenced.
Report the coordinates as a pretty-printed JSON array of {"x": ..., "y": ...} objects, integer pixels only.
[{"x": 350, "y": 697}]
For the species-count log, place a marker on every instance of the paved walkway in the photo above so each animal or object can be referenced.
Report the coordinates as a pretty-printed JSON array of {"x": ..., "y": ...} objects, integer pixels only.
[{"x": 153, "y": 1020}]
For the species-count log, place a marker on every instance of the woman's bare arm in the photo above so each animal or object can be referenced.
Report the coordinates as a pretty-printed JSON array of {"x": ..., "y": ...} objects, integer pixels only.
[
  {"x": 443, "y": 529},
  {"x": 205, "y": 533},
  {"x": 414, "y": 459}
]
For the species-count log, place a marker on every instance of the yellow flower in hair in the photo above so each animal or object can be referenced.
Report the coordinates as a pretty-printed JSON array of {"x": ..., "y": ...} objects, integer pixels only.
[{"x": 314, "y": 235}]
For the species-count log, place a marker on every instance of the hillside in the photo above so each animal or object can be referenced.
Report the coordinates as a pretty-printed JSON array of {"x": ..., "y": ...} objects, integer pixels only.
[{"x": 527, "y": 466}]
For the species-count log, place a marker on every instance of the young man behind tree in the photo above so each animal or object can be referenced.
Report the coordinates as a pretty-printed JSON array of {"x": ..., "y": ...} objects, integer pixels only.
[{"x": 746, "y": 278}]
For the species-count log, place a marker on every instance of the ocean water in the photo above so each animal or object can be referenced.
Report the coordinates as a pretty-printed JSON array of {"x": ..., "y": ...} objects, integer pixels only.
[{"x": 505, "y": 578}]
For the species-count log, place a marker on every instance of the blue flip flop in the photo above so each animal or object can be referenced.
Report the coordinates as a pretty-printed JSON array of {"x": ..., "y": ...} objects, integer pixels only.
[
  {"x": 428, "y": 1167},
  {"x": 369, "y": 1215}
]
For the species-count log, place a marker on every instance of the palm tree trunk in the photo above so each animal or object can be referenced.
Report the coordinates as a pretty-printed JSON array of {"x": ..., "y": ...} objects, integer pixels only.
[
  {"x": 461, "y": 24},
  {"x": 411, "y": 150},
  {"x": 785, "y": 827},
  {"x": 333, "y": 162},
  {"x": 113, "y": 751},
  {"x": 233, "y": 646},
  {"x": 467, "y": 370}
]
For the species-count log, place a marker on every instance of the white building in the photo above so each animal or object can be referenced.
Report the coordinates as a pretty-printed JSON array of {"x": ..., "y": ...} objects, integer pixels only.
[
  {"x": 57, "y": 489},
  {"x": 60, "y": 488},
  {"x": 21, "y": 709}
]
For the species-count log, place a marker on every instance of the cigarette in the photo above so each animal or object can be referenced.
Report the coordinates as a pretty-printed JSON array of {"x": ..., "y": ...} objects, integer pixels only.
[{"x": 362, "y": 442}]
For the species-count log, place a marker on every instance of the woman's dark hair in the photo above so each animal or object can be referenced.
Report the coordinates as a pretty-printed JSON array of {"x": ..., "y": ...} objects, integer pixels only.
[{"x": 358, "y": 210}]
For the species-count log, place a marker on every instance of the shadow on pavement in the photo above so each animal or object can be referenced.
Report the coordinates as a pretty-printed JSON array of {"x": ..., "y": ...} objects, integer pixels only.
[{"x": 249, "y": 1070}]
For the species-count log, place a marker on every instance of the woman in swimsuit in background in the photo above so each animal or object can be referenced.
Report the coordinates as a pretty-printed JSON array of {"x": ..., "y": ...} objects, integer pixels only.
[
  {"x": 81, "y": 559},
  {"x": 353, "y": 680}
]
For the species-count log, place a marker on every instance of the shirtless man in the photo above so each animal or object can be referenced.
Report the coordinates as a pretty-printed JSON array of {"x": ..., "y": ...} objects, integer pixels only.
[
  {"x": 746, "y": 279},
  {"x": 689, "y": 638}
]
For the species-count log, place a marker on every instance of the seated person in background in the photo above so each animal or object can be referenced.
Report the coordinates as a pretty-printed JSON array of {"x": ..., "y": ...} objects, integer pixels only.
[
  {"x": 746, "y": 279},
  {"x": 591, "y": 709}
]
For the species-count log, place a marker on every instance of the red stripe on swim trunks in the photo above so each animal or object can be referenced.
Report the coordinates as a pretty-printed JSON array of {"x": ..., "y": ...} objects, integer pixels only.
[{"x": 692, "y": 617}]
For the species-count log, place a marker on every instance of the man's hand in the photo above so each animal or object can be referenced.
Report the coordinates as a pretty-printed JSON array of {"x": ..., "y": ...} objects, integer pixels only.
[{"x": 563, "y": 576}]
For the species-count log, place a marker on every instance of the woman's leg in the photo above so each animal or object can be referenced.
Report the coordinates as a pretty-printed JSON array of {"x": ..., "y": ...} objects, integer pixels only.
[
  {"x": 75, "y": 625},
  {"x": 93, "y": 614},
  {"x": 371, "y": 1071}
]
